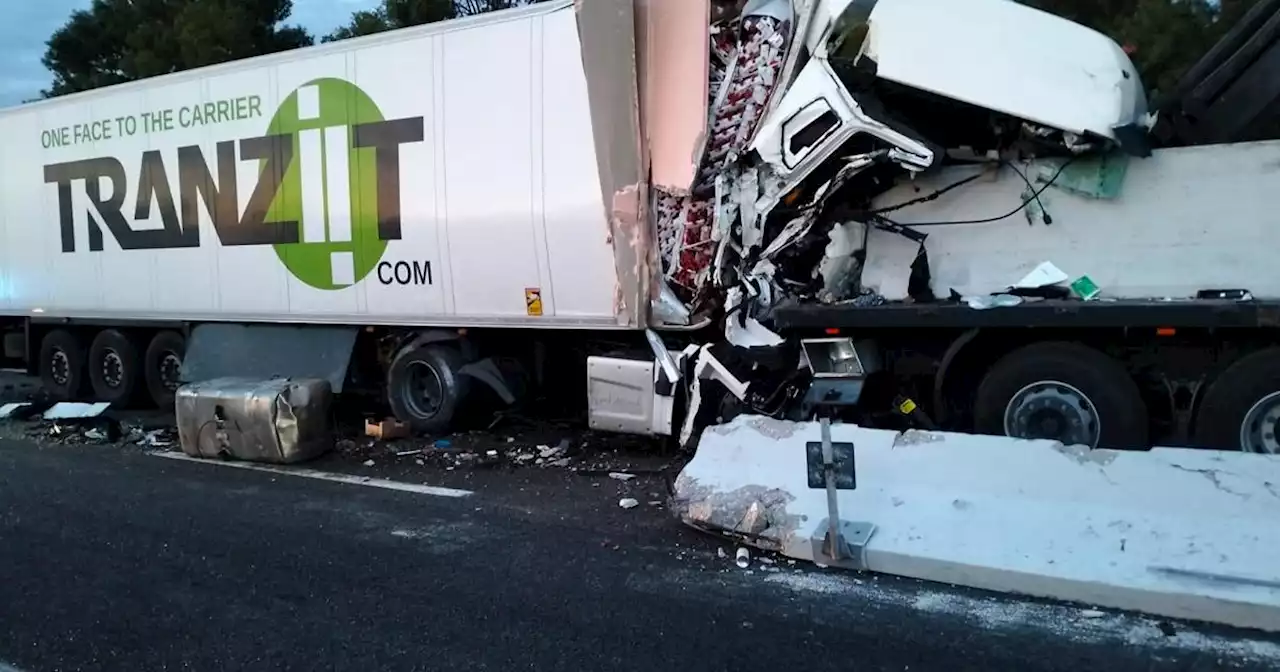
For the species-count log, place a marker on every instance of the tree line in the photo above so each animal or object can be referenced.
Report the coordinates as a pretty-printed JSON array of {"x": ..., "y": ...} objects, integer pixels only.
[{"x": 116, "y": 41}]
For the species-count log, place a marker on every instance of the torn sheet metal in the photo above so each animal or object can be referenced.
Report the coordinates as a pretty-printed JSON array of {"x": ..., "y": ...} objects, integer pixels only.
[
  {"x": 744, "y": 330},
  {"x": 1173, "y": 532},
  {"x": 841, "y": 262},
  {"x": 276, "y": 421}
]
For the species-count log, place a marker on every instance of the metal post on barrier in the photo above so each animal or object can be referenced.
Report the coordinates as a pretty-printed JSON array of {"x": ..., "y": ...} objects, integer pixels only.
[{"x": 832, "y": 466}]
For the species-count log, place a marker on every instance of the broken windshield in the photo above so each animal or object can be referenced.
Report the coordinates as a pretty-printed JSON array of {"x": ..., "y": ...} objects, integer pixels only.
[{"x": 850, "y": 30}]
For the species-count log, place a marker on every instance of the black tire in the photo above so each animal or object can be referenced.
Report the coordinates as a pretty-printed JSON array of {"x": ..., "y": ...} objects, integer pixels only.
[
  {"x": 167, "y": 348},
  {"x": 1117, "y": 401},
  {"x": 62, "y": 372},
  {"x": 1229, "y": 398},
  {"x": 409, "y": 385},
  {"x": 115, "y": 368}
]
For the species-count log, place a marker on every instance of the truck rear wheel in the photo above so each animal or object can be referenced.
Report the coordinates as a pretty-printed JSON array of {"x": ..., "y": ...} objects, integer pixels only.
[
  {"x": 62, "y": 365},
  {"x": 162, "y": 367},
  {"x": 1241, "y": 408},
  {"x": 1065, "y": 392},
  {"x": 115, "y": 370},
  {"x": 424, "y": 388}
]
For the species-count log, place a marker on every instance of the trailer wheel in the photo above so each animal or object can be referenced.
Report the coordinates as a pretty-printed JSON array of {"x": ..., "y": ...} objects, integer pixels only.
[
  {"x": 424, "y": 388},
  {"x": 162, "y": 367},
  {"x": 115, "y": 370},
  {"x": 1062, "y": 391},
  {"x": 62, "y": 365},
  {"x": 1241, "y": 408}
]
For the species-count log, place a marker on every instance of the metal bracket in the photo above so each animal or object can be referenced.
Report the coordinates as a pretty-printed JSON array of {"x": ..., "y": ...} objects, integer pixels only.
[
  {"x": 851, "y": 538},
  {"x": 832, "y": 466}
]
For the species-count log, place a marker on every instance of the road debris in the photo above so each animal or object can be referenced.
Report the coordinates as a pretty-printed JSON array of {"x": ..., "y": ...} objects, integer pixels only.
[
  {"x": 69, "y": 410},
  {"x": 628, "y": 503},
  {"x": 743, "y": 558},
  {"x": 387, "y": 429},
  {"x": 407, "y": 453},
  {"x": 620, "y": 476},
  {"x": 369, "y": 463}
]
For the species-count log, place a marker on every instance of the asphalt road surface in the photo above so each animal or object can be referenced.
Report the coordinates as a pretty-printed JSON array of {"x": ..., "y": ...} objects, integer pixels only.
[{"x": 113, "y": 559}]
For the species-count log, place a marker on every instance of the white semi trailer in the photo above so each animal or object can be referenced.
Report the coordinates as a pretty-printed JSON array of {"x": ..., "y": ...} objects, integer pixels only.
[{"x": 699, "y": 208}]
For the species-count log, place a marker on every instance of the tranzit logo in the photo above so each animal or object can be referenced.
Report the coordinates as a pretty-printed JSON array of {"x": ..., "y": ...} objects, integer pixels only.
[{"x": 327, "y": 196}]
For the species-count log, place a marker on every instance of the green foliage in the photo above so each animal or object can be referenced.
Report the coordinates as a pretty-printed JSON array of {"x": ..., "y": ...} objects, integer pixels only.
[
  {"x": 392, "y": 14},
  {"x": 1165, "y": 37},
  {"x": 118, "y": 41}
]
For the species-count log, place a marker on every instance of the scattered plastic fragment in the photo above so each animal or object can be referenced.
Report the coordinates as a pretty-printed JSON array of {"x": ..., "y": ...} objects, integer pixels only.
[
  {"x": 1044, "y": 275},
  {"x": 628, "y": 503},
  {"x": 368, "y": 463},
  {"x": 620, "y": 476},
  {"x": 994, "y": 301},
  {"x": 67, "y": 410},
  {"x": 743, "y": 557}
]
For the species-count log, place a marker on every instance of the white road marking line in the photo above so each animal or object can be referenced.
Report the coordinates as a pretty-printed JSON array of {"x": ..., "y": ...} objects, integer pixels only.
[{"x": 320, "y": 475}]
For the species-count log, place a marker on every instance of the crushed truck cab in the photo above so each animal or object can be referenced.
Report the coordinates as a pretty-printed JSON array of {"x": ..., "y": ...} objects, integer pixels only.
[{"x": 813, "y": 110}]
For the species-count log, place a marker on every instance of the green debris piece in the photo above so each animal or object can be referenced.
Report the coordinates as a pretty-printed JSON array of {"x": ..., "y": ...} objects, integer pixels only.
[
  {"x": 1085, "y": 288},
  {"x": 1093, "y": 177}
]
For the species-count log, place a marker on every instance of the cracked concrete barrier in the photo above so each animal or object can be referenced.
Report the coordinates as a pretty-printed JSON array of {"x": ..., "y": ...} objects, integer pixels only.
[{"x": 1174, "y": 532}]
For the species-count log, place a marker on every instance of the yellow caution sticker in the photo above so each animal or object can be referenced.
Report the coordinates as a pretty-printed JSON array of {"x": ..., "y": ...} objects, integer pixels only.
[
  {"x": 533, "y": 301},
  {"x": 907, "y": 407}
]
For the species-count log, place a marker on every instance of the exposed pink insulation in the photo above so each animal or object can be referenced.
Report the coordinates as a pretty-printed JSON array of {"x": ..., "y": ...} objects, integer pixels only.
[{"x": 671, "y": 40}]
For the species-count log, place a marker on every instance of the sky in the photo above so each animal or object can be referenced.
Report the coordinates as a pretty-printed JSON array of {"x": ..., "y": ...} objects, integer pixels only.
[{"x": 28, "y": 23}]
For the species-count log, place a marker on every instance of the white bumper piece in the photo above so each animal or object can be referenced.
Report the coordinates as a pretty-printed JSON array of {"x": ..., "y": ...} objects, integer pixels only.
[{"x": 1173, "y": 532}]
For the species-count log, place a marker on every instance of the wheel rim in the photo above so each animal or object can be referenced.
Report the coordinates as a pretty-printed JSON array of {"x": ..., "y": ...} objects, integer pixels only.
[
  {"x": 1258, "y": 432},
  {"x": 112, "y": 369},
  {"x": 60, "y": 367},
  {"x": 422, "y": 390},
  {"x": 1051, "y": 409},
  {"x": 170, "y": 371}
]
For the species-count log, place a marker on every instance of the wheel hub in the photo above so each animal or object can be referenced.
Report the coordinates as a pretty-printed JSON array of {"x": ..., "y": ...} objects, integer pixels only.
[
  {"x": 170, "y": 371},
  {"x": 60, "y": 368},
  {"x": 422, "y": 390},
  {"x": 1053, "y": 410},
  {"x": 1260, "y": 430},
  {"x": 112, "y": 369}
]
